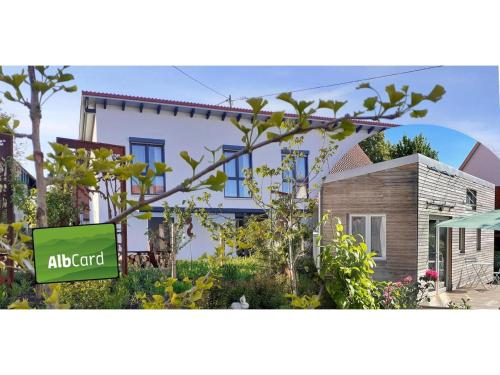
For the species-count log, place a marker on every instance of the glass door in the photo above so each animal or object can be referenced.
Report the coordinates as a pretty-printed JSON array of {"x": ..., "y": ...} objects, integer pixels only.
[{"x": 438, "y": 250}]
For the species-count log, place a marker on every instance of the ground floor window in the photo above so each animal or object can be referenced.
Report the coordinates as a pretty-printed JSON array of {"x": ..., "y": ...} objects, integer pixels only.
[
  {"x": 478, "y": 239},
  {"x": 461, "y": 240},
  {"x": 372, "y": 229}
]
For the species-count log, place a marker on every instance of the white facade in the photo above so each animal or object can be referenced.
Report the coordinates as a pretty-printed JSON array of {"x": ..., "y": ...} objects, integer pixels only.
[{"x": 115, "y": 119}]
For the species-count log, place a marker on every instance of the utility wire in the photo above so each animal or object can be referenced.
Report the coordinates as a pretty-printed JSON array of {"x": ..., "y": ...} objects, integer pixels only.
[
  {"x": 199, "y": 82},
  {"x": 343, "y": 83}
]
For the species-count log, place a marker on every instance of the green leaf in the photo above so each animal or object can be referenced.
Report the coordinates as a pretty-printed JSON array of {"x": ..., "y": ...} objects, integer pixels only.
[
  {"x": 161, "y": 169},
  {"x": 415, "y": 99},
  {"x": 71, "y": 88},
  {"x": 272, "y": 135},
  {"x": 418, "y": 113},
  {"x": 334, "y": 105},
  {"x": 216, "y": 182},
  {"x": 9, "y": 96},
  {"x": 66, "y": 77},
  {"x": 88, "y": 179},
  {"x": 365, "y": 85},
  {"x": 241, "y": 128},
  {"x": 370, "y": 103},
  {"x": 394, "y": 95},
  {"x": 257, "y": 104},
  {"x": 145, "y": 216},
  {"x": 436, "y": 94},
  {"x": 192, "y": 162}
]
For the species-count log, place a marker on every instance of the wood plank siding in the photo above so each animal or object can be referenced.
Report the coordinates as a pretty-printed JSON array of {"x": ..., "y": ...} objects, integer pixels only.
[
  {"x": 392, "y": 192},
  {"x": 438, "y": 188},
  {"x": 408, "y": 195}
]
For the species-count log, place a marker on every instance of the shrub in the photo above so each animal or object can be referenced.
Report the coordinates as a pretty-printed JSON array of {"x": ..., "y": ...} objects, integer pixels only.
[
  {"x": 232, "y": 269},
  {"x": 95, "y": 294},
  {"x": 22, "y": 288},
  {"x": 261, "y": 292},
  {"x": 405, "y": 294}
]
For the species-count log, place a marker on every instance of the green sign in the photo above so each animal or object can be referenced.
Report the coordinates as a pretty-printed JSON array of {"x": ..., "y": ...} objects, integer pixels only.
[{"x": 87, "y": 252}]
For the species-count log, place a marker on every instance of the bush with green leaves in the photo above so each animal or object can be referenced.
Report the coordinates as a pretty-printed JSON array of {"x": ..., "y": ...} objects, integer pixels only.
[
  {"x": 261, "y": 292},
  {"x": 346, "y": 269},
  {"x": 232, "y": 268}
]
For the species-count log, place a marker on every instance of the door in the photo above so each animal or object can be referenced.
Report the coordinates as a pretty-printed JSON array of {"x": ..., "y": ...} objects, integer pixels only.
[{"x": 438, "y": 251}]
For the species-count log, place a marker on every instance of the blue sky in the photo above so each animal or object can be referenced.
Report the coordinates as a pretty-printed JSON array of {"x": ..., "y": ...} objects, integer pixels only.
[{"x": 471, "y": 104}]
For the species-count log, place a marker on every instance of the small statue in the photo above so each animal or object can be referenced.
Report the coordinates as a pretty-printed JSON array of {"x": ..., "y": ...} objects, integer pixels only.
[{"x": 242, "y": 305}]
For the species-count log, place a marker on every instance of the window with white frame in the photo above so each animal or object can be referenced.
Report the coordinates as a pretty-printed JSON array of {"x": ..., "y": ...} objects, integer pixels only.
[{"x": 372, "y": 229}]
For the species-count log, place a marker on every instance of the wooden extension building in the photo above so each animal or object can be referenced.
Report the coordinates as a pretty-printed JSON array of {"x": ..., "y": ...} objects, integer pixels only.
[{"x": 396, "y": 205}]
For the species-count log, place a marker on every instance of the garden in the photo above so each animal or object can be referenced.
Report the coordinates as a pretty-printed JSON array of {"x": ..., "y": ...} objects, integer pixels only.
[{"x": 266, "y": 263}]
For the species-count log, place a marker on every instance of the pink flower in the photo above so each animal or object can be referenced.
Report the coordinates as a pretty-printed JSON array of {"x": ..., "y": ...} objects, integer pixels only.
[
  {"x": 399, "y": 284},
  {"x": 431, "y": 274},
  {"x": 407, "y": 280}
]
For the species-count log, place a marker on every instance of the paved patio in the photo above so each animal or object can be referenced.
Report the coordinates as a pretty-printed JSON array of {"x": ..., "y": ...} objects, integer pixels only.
[{"x": 479, "y": 298}]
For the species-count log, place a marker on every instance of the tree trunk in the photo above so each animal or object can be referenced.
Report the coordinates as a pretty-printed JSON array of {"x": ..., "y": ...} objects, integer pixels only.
[{"x": 36, "y": 117}]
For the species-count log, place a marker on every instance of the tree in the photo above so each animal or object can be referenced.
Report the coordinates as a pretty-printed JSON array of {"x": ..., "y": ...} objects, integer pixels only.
[
  {"x": 39, "y": 84},
  {"x": 409, "y": 146},
  {"x": 377, "y": 148},
  {"x": 68, "y": 167}
]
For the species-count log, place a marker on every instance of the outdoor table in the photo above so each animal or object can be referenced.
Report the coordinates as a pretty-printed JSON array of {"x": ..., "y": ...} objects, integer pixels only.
[{"x": 479, "y": 272}]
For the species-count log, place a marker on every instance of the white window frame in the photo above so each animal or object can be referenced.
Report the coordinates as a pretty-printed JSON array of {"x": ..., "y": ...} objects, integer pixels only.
[{"x": 368, "y": 229}]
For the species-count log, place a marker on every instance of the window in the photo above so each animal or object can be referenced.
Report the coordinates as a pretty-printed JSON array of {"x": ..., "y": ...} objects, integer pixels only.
[
  {"x": 461, "y": 240},
  {"x": 478, "y": 239},
  {"x": 372, "y": 229},
  {"x": 471, "y": 198},
  {"x": 234, "y": 170},
  {"x": 148, "y": 151},
  {"x": 297, "y": 174}
]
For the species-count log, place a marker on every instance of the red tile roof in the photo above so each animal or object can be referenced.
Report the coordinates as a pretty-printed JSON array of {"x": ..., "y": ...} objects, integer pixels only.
[
  {"x": 354, "y": 158},
  {"x": 216, "y": 107}
]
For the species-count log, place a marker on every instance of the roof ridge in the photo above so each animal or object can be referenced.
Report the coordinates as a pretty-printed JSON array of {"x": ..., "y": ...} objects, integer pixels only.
[{"x": 216, "y": 107}]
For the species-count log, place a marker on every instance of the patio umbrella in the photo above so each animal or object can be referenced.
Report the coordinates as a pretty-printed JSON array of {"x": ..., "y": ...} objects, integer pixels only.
[{"x": 487, "y": 220}]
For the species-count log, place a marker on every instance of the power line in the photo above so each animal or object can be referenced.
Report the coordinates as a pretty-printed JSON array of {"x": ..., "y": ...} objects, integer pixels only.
[
  {"x": 344, "y": 83},
  {"x": 201, "y": 83}
]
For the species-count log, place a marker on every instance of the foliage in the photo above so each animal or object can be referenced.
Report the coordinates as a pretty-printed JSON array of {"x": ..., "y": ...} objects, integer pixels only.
[
  {"x": 231, "y": 269},
  {"x": 263, "y": 291},
  {"x": 409, "y": 146},
  {"x": 191, "y": 298},
  {"x": 405, "y": 294},
  {"x": 462, "y": 305},
  {"x": 14, "y": 244},
  {"x": 94, "y": 294},
  {"x": 304, "y": 302},
  {"x": 378, "y": 149},
  {"x": 346, "y": 269},
  {"x": 61, "y": 210},
  {"x": 22, "y": 289}
]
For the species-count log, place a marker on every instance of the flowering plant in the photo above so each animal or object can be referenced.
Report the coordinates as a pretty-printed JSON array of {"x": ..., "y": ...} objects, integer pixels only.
[
  {"x": 430, "y": 275},
  {"x": 405, "y": 294}
]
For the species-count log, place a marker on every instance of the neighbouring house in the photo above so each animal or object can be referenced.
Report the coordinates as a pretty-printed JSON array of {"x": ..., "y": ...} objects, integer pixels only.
[
  {"x": 395, "y": 206},
  {"x": 483, "y": 163},
  {"x": 157, "y": 130}
]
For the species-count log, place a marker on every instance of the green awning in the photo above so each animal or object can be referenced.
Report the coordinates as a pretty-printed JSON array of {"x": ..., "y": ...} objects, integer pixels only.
[{"x": 487, "y": 220}]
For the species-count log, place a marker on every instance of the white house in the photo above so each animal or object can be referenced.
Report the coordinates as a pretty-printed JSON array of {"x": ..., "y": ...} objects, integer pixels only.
[{"x": 158, "y": 130}]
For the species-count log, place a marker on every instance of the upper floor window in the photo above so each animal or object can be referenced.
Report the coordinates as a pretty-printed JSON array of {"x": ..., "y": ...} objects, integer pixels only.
[
  {"x": 296, "y": 176},
  {"x": 235, "y": 188},
  {"x": 471, "y": 198},
  {"x": 372, "y": 229},
  {"x": 148, "y": 151}
]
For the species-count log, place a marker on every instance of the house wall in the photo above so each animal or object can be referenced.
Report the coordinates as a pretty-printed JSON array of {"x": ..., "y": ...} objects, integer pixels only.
[
  {"x": 403, "y": 194},
  {"x": 181, "y": 132},
  {"x": 483, "y": 164},
  {"x": 392, "y": 192},
  {"x": 436, "y": 187}
]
